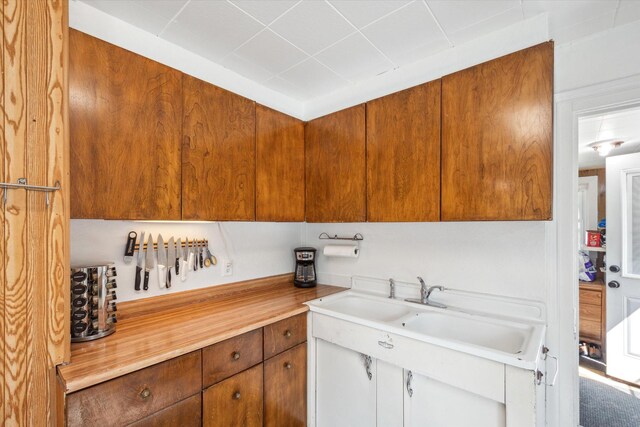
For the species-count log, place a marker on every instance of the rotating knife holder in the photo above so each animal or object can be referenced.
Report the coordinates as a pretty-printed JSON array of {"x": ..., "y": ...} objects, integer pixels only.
[{"x": 93, "y": 301}]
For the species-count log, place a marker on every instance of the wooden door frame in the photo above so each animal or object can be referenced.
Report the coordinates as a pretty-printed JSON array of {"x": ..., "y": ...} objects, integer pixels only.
[{"x": 562, "y": 237}]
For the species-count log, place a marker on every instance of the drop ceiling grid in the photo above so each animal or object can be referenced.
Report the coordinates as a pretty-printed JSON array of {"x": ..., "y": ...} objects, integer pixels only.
[{"x": 307, "y": 48}]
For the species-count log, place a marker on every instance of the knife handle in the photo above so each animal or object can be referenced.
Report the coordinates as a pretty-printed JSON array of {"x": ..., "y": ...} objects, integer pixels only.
[
  {"x": 200, "y": 258},
  {"x": 190, "y": 261},
  {"x": 146, "y": 279},
  {"x": 169, "y": 277},
  {"x": 162, "y": 276},
  {"x": 183, "y": 275},
  {"x": 138, "y": 277},
  {"x": 177, "y": 266}
]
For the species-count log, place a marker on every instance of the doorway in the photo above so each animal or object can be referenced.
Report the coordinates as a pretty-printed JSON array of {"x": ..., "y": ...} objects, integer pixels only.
[{"x": 608, "y": 208}]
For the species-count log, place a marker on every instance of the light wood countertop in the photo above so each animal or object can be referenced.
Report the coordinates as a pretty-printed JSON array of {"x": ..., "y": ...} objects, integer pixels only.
[{"x": 165, "y": 327}]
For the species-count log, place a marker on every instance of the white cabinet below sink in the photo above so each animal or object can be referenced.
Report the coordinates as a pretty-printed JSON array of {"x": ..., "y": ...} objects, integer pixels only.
[{"x": 448, "y": 388}]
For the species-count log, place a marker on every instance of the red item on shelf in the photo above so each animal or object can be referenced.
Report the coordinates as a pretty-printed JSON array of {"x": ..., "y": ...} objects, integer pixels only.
[{"x": 593, "y": 238}]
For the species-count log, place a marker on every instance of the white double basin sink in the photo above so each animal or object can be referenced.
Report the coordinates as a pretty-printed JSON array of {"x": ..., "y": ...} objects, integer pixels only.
[{"x": 504, "y": 340}]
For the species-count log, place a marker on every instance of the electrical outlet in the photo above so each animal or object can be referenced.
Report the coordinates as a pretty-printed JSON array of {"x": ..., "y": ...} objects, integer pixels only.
[{"x": 227, "y": 268}]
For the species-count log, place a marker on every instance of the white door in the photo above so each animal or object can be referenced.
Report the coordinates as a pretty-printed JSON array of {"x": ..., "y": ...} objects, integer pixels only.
[
  {"x": 623, "y": 272},
  {"x": 345, "y": 387},
  {"x": 428, "y": 402}
]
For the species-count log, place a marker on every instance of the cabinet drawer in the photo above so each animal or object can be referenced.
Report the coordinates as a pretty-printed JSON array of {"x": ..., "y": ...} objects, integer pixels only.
[
  {"x": 284, "y": 334},
  {"x": 590, "y": 297},
  {"x": 590, "y": 329},
  {"x": 134, "y": 396},
  {"x": 187, "y": 413},
  {"x": 236, "y": 401},
  {"x": 226, "y": 358},
  {"x": 285, "y": 388},
  {"x": 590, "y": 312}
]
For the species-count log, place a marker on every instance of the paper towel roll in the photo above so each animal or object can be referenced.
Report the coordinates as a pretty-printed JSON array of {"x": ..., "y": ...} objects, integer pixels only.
[{"x": 345, "y": 251}]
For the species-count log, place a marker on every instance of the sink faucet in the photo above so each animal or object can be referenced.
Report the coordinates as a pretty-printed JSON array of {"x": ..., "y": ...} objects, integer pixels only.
[
  {"x": 425, "y": 293},
  {"x": 392, "y": 289}
]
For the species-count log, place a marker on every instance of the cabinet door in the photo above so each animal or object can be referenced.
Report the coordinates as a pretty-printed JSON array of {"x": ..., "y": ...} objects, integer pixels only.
[
  {"x": 335, "y": 167},
  {"x": 125, "y": 114},
  {"x": 279, "y": 166},
  {"x": 433, "y": 403},
  {"x": 236, "y": 401},
  {"x": 497, "y": 124},
  {"x": 285, "y": 388},
  {"x": 218, "y": 154},
  {"x": 403, "y": 155},
  {"x": 345, "y": 394}
]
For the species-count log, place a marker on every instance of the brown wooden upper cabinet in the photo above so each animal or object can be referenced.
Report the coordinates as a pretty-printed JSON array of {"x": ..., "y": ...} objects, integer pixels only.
[
  {"x": 279, "y": 166},
  {"x": 218, "y": 154},
  {"x": 335, "y": 167},
  {"x": 403, "y": 155},
  {"x": 497, "y": 138},
  {"x": 125, "y": 114}
]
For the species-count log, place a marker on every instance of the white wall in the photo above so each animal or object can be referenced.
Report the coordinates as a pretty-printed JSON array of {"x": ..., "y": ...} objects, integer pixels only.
[
  {"x": 502, "y": 258},
  {"x": 256, "y": 249},
  {"x": 602, "y": 57}
]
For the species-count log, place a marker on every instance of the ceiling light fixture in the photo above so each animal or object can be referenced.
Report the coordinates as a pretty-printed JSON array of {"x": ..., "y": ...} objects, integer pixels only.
[{"x": 603, "y": 148}]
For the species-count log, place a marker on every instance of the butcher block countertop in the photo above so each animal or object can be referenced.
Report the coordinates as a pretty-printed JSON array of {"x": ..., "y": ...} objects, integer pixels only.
[{"x": 153, "y": 330}]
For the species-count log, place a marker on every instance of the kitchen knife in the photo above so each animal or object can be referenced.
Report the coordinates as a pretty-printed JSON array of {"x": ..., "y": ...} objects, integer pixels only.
[
  {"x": 209, "y": 257},
  {"x": 162, "y": 263},
  {"x": 171, "y": 257},
  {"x": 200, "y": 245},
  {"x": 178, "y": 255},
  {"x": 190, "y": 254},
  {"x": 184, "y": 261},
  {"x": 140, "y": 265},
  {"x": 194, "y": 250},
  {"x": 130, "y": 247},
  {"x": 149, "y": 262}
]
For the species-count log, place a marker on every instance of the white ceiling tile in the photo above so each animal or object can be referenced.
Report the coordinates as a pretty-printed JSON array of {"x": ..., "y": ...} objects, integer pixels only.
[
  {"x": 281, "y": 85},
  {"x": 148, "y": 15},
  {"x": 407, "y": 35},
  {"x": 271, "y": 52},
  {"x": 211, "y": 29},
  {"x": 312, "y": 26},
  {"x": 265, "y": 11},
  {"x": 314, "y": 78},
  {"x": 629, "y": 11},
  {"x": 354, "y": 58},
  {"x": 582, "y": 29},
  {"x": 364, "y": 12},
  {"x": 486, "y": 26},
  {"x": 246, "y": 68},
  {"x": 454, "y": 15}
]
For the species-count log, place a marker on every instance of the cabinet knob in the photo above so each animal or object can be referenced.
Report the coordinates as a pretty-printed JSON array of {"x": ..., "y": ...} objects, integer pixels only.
[
  {"x": 236, "y": 355},
  {"x": 236, "y": 395},
  {"x": 287, "y": 365},
  {"x": 287, "y": 333},
  {"x": 145, "y": 393},
  {"x": 614, "y": 284}
]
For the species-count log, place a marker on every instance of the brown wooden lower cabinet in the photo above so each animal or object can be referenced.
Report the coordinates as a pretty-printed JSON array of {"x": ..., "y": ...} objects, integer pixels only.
[
  {"x": 593, "y": 312},
  {"x": 242, "y": 385},
  {"x": 236, "y": 401},
  {"x": 187, "y": 413},
  {"x": 285, "y": 388}
]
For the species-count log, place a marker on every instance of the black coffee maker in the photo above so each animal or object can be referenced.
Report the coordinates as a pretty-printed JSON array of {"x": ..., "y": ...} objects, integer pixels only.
[{"x": 305, "y": 272}]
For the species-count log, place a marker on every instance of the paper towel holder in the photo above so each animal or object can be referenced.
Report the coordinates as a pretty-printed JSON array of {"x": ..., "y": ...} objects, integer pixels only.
[{"x": 325, "y": 236}]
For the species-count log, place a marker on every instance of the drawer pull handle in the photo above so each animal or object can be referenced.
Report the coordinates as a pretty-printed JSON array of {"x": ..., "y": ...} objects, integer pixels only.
[
  {"x": 287, "y": 365},
  {"x": 236, "y": 355},
  {"x": 236, "y": 395},
  {"x": 287, "y": 333},
  {"x": 145, "y": 393}
]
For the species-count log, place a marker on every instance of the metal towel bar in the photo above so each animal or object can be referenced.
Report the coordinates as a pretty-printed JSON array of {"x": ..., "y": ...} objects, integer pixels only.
[{"x": 22, "y": 183}]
